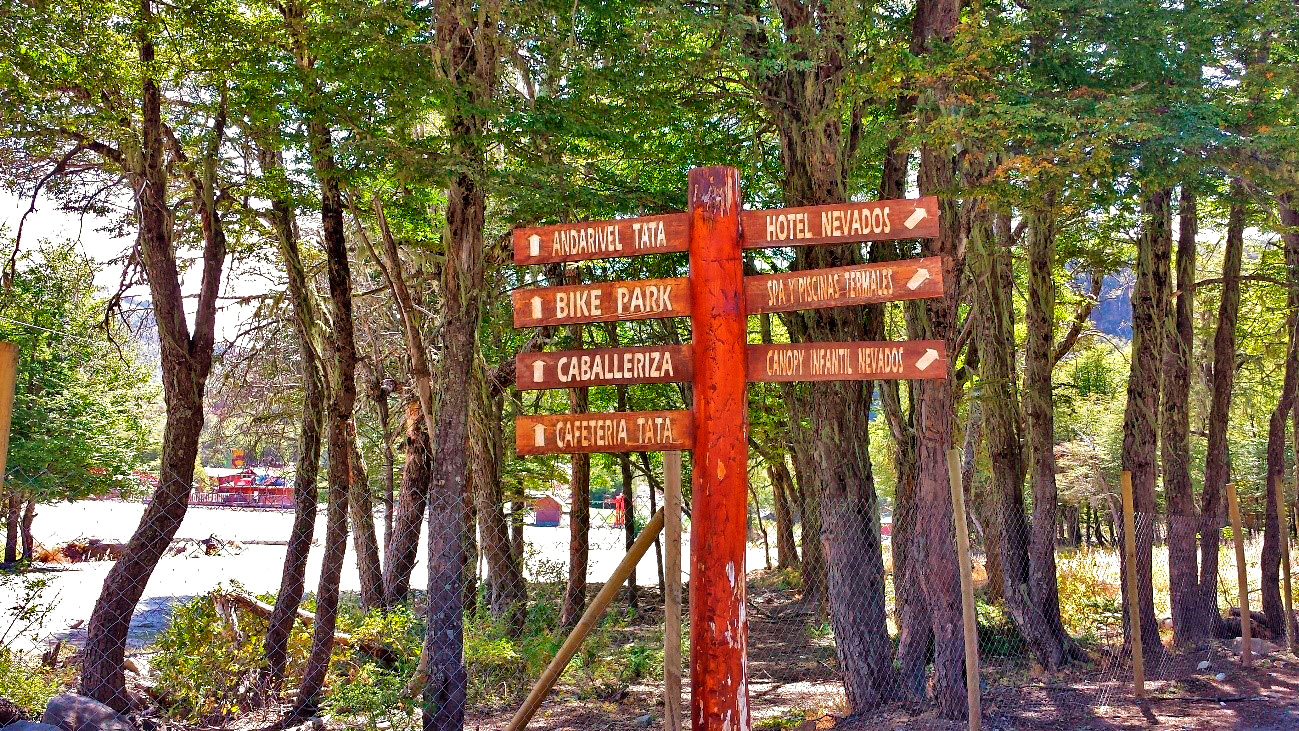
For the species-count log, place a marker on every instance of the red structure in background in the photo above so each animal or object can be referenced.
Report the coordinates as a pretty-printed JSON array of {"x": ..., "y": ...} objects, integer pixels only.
[
  {"x": 548, "y": 512},
  {"x": 245, "y": 488}
]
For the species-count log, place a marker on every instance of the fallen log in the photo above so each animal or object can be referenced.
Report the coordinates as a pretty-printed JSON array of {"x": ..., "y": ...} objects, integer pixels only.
[{"x": 253, "y": 605}]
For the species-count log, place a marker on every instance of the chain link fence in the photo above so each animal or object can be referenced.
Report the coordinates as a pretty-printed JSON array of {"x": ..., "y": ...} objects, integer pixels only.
[{"x": 253, "y": 612}]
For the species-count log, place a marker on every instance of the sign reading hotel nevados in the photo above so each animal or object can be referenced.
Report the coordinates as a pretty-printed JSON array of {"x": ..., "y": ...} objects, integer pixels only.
[
  {"x": 602, "y": 239},
  {"x": 841, "y": 223},
  {"x": 616, "y": 432}
]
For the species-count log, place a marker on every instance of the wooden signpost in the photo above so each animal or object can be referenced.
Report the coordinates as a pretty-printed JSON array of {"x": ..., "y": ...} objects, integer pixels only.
[{"x": 719, "y": 363}]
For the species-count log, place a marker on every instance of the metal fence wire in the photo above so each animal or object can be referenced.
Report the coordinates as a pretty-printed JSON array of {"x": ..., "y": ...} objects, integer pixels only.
[{"x": 207, "y": 607}]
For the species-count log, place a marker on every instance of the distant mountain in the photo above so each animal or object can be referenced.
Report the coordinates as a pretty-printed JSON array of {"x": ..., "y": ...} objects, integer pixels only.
[
  {"x": 137, "y": 313},
  {"x": 1113, "y": 314}
]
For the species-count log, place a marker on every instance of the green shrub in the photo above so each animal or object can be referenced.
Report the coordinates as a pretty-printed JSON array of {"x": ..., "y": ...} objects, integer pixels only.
[
  {"x": 998, "y": 636},
  {"x": 372, "y": 697},
  {"x": 28, "y": 685},
  {"x": 1089, "y": 593},
  {"x": 208, "y": 668}
]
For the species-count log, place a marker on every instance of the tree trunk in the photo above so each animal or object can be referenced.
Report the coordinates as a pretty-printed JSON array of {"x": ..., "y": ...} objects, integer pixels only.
[
  {"x": 379, "y": 395},
  {"x": 628, "y": 498},
  {"x": 579, "y": 523},
  {"x": 462, "y": 284},
  {"x": 936, "y": 410},
  {"x": 781, "y": 482},
  {"x": 28, "y": 542},
  {"x": 13, "y": 515},
  {"x": 305, "y": 497},
  {"x": 341, "y": 372},
  {"x": 654, "y": 508},
  {"x": 508, "y": 592},
  {"x": 365, "y": 540},
  {"x": 1191, "y": 623},
  {"x": 1273, "y": 606},
  {"x": 1039, "y": 417},
  {"x": 412, "y": 499},
  {"x": 914, "y": 630},
  {"x": 990, "y": 267},
  {"x": 628, "y": 489},
  {"x": 812, "y": 552},
  {"x": 1140, "y": 418},
  {"x": 186, "y": 360}
]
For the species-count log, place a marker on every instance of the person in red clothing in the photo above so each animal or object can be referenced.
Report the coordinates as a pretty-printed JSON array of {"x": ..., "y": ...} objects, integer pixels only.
[{"x": 619, "y": 511}]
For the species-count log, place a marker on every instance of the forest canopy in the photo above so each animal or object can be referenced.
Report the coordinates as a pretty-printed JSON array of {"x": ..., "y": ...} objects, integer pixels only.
[{"x": 1118, "y": 187}]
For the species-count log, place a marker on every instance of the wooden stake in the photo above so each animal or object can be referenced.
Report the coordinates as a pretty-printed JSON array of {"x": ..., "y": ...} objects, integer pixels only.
[
  {"x": 1283, "y": 514},
  {"x": 972, "y": 691},
  {"x": 1130, "y": 576},
  {"x": 672, "y": 593},
  {"x": 584, "y": 625},
  {"x": 719, "y": 479},
  {"x": 8, "y": 382},
  {"x": 1242, "y": 573}
]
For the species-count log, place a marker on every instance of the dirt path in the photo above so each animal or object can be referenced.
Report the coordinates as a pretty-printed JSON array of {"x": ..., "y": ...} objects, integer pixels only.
[{"x": 794, "y": 686}]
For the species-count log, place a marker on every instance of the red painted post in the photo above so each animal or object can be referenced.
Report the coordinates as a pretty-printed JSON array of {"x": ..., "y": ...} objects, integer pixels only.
[{"x": 719, "y": 697}]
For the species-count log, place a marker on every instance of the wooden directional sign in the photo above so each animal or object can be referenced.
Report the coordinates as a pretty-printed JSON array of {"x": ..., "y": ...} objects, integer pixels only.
[
  {"x": 635, "y": 431},
  {"x": 603, "y": 367},
  {"x": 718, "y": 362},
  {"x": 602, "y": 239},
  {"x": 841, "y": 223},
  {"x": 864, "y": 361},
  {"x": 851, "y": 285},
  {"x": 611, "y": 301}
]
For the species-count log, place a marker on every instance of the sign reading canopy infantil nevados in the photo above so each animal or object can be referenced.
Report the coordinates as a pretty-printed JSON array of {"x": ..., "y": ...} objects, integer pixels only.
[{"x": 718, "y": 362}]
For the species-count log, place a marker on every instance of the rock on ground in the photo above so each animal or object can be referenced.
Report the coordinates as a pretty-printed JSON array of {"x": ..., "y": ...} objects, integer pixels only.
[
  {"x": 30, "y": 726},
  {"x": 71, "y": 712}
]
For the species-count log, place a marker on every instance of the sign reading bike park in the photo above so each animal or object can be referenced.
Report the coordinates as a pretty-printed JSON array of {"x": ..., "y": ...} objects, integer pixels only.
[{"x": 717, "y": 297}]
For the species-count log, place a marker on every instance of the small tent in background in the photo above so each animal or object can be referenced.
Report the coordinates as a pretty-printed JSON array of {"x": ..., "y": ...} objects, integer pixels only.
[{"x": 548, "y": 511}]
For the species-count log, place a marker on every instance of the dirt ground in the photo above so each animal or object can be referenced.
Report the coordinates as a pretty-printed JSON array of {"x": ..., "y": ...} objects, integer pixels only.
[{"x": 793, "y": 685}]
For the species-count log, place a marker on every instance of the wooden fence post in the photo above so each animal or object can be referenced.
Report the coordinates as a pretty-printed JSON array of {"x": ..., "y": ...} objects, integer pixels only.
[
  {"x": 972, "y": 690},
  {"x": 1242, "y": 574},
  {"x": 672, "y": 592},
  {"x": 8, "y": 383},
  {"x": 1130, "y": 577}
]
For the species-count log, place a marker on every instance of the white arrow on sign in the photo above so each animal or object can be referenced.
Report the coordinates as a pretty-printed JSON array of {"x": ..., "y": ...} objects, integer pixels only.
[
  {"x": 534, "y": 245},
  {"x": 927, "y": 359},
  {"x": 921, "y": 275},
  {"x": 538, "y": 436},
  {"x": 916, "y": 217},
  {"x": 536, "y": 308},
  {"x": 538, "y": 371}
]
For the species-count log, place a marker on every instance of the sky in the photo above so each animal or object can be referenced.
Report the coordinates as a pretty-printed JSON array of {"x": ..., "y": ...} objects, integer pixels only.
[{"x": 49, "y": 223}]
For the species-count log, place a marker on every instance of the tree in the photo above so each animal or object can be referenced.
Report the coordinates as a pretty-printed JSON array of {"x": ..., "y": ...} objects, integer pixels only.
[{"x": 81, "y": 412}]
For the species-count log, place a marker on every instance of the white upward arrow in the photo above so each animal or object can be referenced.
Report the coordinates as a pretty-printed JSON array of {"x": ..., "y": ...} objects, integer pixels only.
[
  {"x": 539, "y": 436},
  {"x": 538, "y": 371},
  {"x": 916, "y": 217},
  {"x": 536, "y": 307},
  {"x": 927, "y": 359},
  {"x": 534, "y": 245},
  {"x": 920, "y": 277}
]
